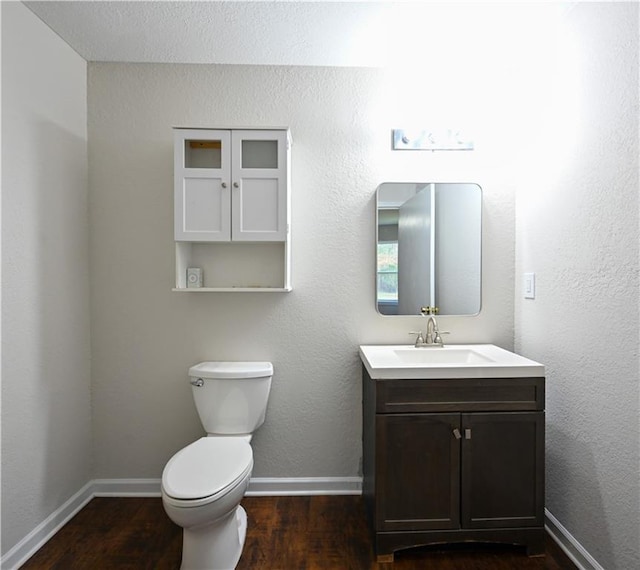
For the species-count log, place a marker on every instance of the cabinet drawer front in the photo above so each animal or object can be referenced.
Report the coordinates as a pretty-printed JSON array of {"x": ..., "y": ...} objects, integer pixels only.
[{"x": 485, "y": 394}]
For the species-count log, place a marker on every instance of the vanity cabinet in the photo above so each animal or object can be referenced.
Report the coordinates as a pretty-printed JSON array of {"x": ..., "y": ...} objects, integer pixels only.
[
  {"x": 231, "y": 208},
  {"x": 454, "y": 460}
]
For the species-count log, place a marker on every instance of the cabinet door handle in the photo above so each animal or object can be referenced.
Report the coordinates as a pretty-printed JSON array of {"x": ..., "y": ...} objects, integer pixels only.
[
  {"x": 467, "y": 433},
  {"x": 457, "y": 433},
  {"x": 236, "y": 185},
  {"x": 224, "y": 184}
]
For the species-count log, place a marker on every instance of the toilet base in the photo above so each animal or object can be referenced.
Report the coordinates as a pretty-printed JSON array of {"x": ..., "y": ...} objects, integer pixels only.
[{"x": 216, "y": 546}]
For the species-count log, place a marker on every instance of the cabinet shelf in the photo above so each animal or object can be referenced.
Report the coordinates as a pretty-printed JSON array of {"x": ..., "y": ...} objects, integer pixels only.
[{"x": 235, "y": 267}]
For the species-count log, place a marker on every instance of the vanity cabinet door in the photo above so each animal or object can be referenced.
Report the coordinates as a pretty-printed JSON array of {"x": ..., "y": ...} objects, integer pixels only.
[
  {"x": 502, "y": 469},
  {"x": 417, "y": 472}
]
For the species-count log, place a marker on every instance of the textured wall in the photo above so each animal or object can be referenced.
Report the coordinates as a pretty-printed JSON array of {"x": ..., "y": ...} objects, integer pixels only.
[
  {"x": 578, "y": 230},
  {"x": 145, "y": 337},
  {"x": 46, "y": 430}
]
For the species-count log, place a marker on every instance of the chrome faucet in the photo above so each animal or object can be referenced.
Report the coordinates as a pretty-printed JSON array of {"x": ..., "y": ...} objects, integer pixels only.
[{"x": 432, "y": 337}]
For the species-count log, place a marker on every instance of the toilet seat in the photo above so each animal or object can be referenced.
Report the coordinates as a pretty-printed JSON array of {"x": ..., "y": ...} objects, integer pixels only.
[{"x": 206, "y": 470}]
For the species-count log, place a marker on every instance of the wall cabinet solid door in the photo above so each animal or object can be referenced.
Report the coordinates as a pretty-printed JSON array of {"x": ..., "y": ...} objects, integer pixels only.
[{"x": 231, "y": 185}]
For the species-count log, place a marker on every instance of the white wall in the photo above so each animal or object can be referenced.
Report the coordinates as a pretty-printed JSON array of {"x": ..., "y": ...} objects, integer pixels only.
[
  {"x": 46, "y": 430},
  {"x": 578, "y": 231},
  {"x": 145, "y": 337}
]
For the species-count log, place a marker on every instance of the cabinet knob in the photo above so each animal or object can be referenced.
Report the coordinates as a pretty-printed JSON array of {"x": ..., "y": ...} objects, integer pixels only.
[
  {"x": 457, "y": 433},
  {"x": 224, "y": 184},
  {"x": 236, "y": 185}
]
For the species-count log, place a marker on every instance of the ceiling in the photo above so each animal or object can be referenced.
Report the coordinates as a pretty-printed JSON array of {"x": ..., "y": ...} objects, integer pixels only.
[
  {"x": 280, "y": 32},
  {"x": 267, "y": 32}
]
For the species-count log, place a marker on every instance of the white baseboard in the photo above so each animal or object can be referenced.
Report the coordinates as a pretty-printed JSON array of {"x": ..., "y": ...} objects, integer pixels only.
[
  {"x": 258, "y": 486},
  {"x": 572, "y": 548},
  {"x": 268, "y": 486},
  {"x": 274, "y": 486},
  {"x": 31, "y": 543},
  {"x": 126, "y": 487}
]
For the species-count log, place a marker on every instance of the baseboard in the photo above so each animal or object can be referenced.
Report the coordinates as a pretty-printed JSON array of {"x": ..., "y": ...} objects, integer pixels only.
[
  {"x": 260, "y": 486},
  {"x": 571, "y": 547},
  {"x": 275, "y": 486},
  {"x": 31, "y": 543},
  {"x": 126, "y": 487}
]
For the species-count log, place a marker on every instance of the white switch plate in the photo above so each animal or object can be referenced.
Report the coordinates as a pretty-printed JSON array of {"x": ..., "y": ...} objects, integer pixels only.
[{"x": 529, "y": 285}]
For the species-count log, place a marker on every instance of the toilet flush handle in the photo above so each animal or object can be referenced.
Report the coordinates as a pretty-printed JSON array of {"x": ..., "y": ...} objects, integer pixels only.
[{"x": 199, "y": 382}]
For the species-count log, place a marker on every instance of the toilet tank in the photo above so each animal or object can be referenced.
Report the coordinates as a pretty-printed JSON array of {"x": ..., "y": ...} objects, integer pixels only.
[{"x": 231, "y": 397}]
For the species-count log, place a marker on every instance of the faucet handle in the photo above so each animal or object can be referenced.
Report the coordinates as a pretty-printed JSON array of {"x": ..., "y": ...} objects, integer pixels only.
[
  {"x": 437, "y": 339},
  {"x": 420, "y": 340}
]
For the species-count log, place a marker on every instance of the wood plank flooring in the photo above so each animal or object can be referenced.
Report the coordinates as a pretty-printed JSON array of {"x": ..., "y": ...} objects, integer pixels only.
[{"x": 284, "y": 533}]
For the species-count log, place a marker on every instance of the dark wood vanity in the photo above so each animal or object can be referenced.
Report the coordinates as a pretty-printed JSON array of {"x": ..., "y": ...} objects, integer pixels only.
[{"x": 453, "y": 460}]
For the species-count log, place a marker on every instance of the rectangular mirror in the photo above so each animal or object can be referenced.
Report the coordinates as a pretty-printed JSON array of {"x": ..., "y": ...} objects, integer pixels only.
[{"x": 429, "y": 244}]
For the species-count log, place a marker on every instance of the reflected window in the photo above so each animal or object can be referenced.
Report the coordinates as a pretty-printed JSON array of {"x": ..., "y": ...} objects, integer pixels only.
[{"x": 388, "y": 273}]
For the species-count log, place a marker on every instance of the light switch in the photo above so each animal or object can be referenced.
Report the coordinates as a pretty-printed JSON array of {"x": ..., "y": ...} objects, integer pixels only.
[{"x": 529, "y": 285}]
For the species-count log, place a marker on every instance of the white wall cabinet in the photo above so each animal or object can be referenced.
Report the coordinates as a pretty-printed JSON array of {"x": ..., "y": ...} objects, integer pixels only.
[{"x": 231, "y": 206}]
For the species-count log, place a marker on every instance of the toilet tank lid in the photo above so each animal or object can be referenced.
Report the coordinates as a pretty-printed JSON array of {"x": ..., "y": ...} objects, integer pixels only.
[{"x": 231, "y": 370}]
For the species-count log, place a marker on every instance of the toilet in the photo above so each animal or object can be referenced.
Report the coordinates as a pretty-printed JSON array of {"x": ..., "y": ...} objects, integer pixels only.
[{"x": 203, "y": 483}]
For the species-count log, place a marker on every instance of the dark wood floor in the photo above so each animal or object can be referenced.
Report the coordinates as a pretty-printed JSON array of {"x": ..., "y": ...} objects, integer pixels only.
[{"x": 284, "y": 533}]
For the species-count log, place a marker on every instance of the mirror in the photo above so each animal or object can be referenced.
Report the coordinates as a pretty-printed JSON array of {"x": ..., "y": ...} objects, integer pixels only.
[{"x": 429, "y": 244}]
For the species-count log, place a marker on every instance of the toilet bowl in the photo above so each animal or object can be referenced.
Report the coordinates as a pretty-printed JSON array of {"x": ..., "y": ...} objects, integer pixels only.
[
  {"x": 202, "y": 486},
  {"x": 203, "y": 483}
]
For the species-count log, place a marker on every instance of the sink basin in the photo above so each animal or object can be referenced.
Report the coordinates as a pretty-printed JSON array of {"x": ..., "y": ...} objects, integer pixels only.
[
  {"x": 446, "y": 355},
  {"x": 451, "y": 361}
]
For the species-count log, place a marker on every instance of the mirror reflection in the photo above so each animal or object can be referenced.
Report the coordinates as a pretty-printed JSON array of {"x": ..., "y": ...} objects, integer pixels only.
[{"x": 429, "y": 247}]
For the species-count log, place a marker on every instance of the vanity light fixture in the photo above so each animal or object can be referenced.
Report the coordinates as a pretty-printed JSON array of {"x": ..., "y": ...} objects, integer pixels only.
[{"x": 431, "y": 139}]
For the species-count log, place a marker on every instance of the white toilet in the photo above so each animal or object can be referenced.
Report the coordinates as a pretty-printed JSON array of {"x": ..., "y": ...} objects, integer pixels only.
[{"x": 203, "y": 483}]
